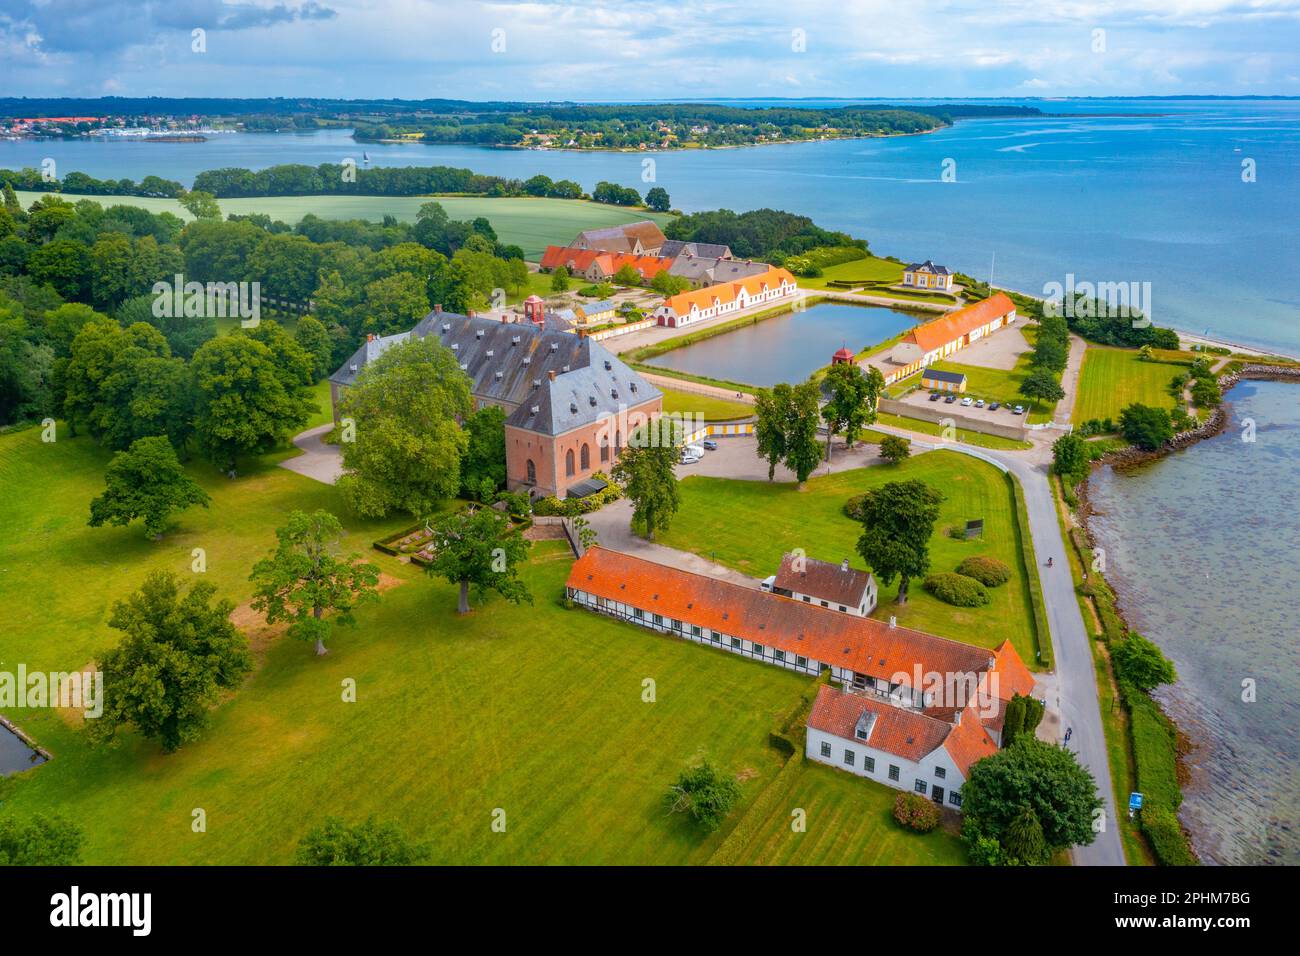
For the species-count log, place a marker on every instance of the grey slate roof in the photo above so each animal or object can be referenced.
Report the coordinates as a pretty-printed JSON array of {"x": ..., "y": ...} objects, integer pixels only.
[
  {"x": 927, "y": 266},
  {"x": 939, "y": 375},
  {"x": 509, "y": 363},
  {"x": 672, "y": 248},
  {"x": 712, "y": 271}
]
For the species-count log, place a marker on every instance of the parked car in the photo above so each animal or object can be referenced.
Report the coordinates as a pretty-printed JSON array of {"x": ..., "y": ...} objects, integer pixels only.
[
  {"x": 967, "y": 401},
  {"x": 950, "y": 399},
  {"x": 696, "y": 450},
  {"x": 1018, "y": 410},
  {"x": 995, "y": 406},
  {"x": 935, "y": 396},
  {"x": 979, "y": 403},
  {"x": 689, "y": 459},
  {"x": 709, "y": 444}
]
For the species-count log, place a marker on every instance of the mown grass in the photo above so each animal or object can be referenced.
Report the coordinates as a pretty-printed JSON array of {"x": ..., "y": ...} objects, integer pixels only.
[
  {"x": 712, "y": 408},
  {"x": 871, "y": 270},
  {"x": 530, "y": 223},
  {"x": 534, "y": 709},
  {"x": 749, "y": 525},
  {"x": 1114, "y": 378}
]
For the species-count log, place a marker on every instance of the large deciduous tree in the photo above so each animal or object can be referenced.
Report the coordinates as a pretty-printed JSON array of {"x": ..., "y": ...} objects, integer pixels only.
[
  {"x": 39, "y": 841},
  {"x": 646, "y": 472},
  {"x": 852, "y": 402},
  {"x": 482, "y": 550},
  {"x": 306, "y": 577},
  {"x": 407, "y": 407},
  {"x": 898, "y": 520},
  {"x": 145, "y": 482},
  {"x": 178, "y": 654}
]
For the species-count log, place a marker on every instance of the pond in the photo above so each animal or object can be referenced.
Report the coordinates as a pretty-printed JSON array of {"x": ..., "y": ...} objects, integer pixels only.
[
  {"x": 788, "y": 348},
  {"x": 14, "y": 754}
]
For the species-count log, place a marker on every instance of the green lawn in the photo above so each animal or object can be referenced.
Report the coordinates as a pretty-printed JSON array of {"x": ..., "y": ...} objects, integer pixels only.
[
  {"x": 963, "y": 435},
  {"x": 536, "y": 710},
  {"x": 873, "y": 270},
  {"x": 849, "y": 821},
  {"x": 531, "y": 223},
  {"x": 719, "y": 519},
  {"x": 1114, "y": 378},
  {"x": 713, "y": 409}
]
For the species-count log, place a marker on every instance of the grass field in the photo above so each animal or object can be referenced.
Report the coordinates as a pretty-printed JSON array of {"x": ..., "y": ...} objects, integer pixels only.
[
  {"x": 527, "y": 222},
  {"x": 748, "y": 525},
  {"x": 1114, "y": 378},
  {"x": 713, "y": 409},
  {"x": 849, "y": 821},
  {"x": 534, "y": 709}
]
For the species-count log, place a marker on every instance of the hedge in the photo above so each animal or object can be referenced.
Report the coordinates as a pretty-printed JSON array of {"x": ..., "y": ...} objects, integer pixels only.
[
  {"x": 1161, "y": 826},
  {"x": 956, "y": 589},
  {"x": 988, "y": 571},
  {"x": 1154, "y": 743}
]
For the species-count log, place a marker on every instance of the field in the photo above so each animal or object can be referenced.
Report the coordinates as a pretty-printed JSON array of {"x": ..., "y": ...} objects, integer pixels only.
[
  {"x": 713, "y": 409},
  {"x": 849, "y": 821},
  {"x": 530, "y": 223},
  {"x": 1114, "y": 378},
  {"x": 721, "y": 519},
  {"x": 536, "y": 710}
]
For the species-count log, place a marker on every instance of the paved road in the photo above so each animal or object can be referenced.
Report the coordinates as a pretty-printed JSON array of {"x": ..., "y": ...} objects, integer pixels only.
[
  {"x": 318, "y": 460},
  {"x": 1076, "y": 679}
]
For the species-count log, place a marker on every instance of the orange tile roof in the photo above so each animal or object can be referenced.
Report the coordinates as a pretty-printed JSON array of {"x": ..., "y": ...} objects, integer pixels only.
[
  {"x": 904, "y": 733},
  {"x": 938, "y": 333},
  {"x": 726, "y": 291},
  {"x": 1013, "y": 676},
  {"x": 864, "y": 645},
  {"x": 580, "y": 260},
  {"x": 968, "y": 741}
]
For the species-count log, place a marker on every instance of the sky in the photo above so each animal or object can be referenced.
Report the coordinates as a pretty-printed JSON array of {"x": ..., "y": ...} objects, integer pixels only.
[{"x": 642, "y": 49}]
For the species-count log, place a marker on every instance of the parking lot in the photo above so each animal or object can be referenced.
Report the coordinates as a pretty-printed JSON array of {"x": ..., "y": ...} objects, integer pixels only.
[{"x": 1002, "y": 415}]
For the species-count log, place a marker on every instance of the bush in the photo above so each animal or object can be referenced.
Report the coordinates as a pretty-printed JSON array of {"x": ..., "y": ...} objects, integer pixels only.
[
  {"x": 988, "y": 571},
  {"x": 1161, "y": 827},
  {"x": 916, "y": 812},
  {"x": 956, "y": 589},
  {"x": 852, "y": 507}
]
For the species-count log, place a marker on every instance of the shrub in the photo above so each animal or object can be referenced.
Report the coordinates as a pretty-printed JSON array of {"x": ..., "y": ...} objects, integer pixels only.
[
  {"x": 1161, "y": 826},
  {"x": 916, "y": 812},
  {"x": 706, "y": 793},
  {"x": 988, "y": 571},
  {"x": 852, "y": 507},
  {"x": 956, "y": 589}
]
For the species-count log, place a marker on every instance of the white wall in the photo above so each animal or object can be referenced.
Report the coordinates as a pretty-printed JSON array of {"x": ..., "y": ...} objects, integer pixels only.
[{"x": 909, "y": 771}]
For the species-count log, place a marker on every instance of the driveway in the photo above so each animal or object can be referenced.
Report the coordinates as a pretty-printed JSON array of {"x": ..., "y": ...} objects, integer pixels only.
[{"x": 319, "y": 461}]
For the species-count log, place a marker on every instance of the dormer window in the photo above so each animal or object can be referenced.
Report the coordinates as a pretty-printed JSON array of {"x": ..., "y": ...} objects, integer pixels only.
[
  {"x": 500, "y": 375},
  {"x": 573, "y": 408},
  {"x": 564, "y": 369},
  {"x": 613, "y": 393},
  {"x": 537, "y": 383},
  {"x": 491, "y": 352},
  {"x": 478, "y": 334},
  {"x": 555, "y": 346},
  {"x": 592, "y": 400},
  {"x": 536, "y": 409},
  {"x": 514, "y": 340},
  {"x": 455, "y": 346},
  {"x": 464, "y": 366},
  {"x": 632, "y": 386},
  {"x": 446, "y": 326},
  {"x": 608, "y": 365},
  {"x": 527, "y": 361}
]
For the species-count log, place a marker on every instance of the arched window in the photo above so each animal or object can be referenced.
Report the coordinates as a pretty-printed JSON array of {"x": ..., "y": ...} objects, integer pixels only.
[
  {"x": 532, "y": 472},
  {"x": 586, "y": 456},
  {"x": 604, "y": 449},
  {"x": 568, "y": 463}
]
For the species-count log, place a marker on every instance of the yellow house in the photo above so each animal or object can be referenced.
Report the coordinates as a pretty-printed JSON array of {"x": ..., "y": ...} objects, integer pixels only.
[
  {"x": 926, "y": 275},
  {"x": 592, "y": 313},
  {"x": 942, "y": 381}
]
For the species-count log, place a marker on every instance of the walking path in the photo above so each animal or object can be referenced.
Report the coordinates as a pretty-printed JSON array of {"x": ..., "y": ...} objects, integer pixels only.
[
  {"x": 318, "y": 460},
  {"x": 1070, "y": 380},
  {"x": 699, "y": 388}
]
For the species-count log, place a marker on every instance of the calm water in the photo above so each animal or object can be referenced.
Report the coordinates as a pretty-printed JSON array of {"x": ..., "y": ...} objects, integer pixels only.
[
  {"x": 1202, "y": 548},
  {"x": 1156, "y": 199},
  {"x": 14, "y": 754},
  {"x": 788, "y": 348}
]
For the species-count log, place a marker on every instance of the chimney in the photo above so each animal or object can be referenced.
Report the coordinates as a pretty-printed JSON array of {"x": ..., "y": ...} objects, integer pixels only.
[
  {"x": 370, "y": 337},
  {"x": 437, "y": 307},
  {"x": 551, "y": 375},
  {"x": 471, "y": 313},
  {"x": 844, "y": 565},
  {"x": 893, "y": 621}
]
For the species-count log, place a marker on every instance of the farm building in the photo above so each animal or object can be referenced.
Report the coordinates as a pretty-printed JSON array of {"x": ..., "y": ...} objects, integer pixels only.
[
  {"x": 727, "y": 297},
  {"x": 643, "y": 238},
  {"x": 939, "y": 338},
  {"x": 943, "y": 381},
  {"x": 835, "y": 586}
]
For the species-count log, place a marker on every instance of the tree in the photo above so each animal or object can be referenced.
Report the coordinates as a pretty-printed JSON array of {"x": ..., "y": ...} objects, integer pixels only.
[
  {"x": 646, "y": 472},
  {"x": 334, "y": 843},
  {"x": 560, "y": 280},
  {"x": 802, "y": 449},
  {"x": 705, "y": 793},
  {"x": 304, "y": 577},
  {"x": 1024, "y": 838},
  {"x": 200, "y": 204},
  {"x": 146, "y": 482},
  {"x": 895, "y": 449},
  {"x": 1070, "y": 457},
  {"x": 1139, "y": 663},
  {"x": 1041, "y": 383},
  {"x": 479, "y": 548},
  {"x": 483, "y": 469},
  {"x": 656, "y": 198},
  {"x": 39, "y": 841},
  {"x": 242, "y": 402},
  {"x": 1048, "y": 779},
  {"x": 177, "y": 656},
  {"x": 407, "y": 406},
  {"x": 852, "y": 401},
  {"x": 1148, "y": 428},
  {"x": 771, "y": 419},
  {"x": 627, "y": 275},
  {"x": 669, "y": 285},
  {"x": 898, "y": 520},
  {"x": 394, "y": 304},
  {"x": 314, "y": 339}
]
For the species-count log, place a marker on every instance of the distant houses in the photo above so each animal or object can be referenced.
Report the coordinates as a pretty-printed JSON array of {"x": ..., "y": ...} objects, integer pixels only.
[
  {"x": 939, "y": 338},
  {"x": 913, "y": 711},
  {"x": 597, "y": 266},
  {"x": 686, "y": 308},
  {"x": 927, "y": 275},
  {"x": 643, "y": 238}
]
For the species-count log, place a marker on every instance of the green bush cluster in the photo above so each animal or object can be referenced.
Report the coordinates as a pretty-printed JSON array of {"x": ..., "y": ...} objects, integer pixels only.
[
  {"x": 916, "y": 812},
  {"x": 572, "y": 507},
  {"x": 988, "y": 571},
  {"x": 956, "y": 589},
  {"x": 1160, "y": 824},
  {"x": 852, "y": 507},
  {"x": 1096, "y": 426}
]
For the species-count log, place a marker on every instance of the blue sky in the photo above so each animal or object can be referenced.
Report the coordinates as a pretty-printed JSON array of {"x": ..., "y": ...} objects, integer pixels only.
[{"x": 630, "y": 49}]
